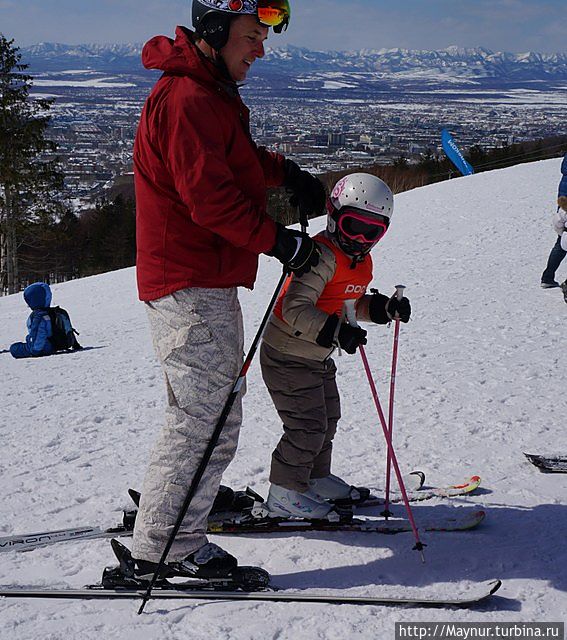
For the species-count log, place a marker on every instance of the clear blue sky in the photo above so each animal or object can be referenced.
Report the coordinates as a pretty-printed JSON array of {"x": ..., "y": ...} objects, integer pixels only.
[{"x": 509, "y": 25}]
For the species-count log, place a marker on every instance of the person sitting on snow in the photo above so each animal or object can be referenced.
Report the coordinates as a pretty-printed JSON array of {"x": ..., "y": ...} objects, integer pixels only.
[
  {"x": 307, "y": 324},
  {"x": 49, "y": 329}
]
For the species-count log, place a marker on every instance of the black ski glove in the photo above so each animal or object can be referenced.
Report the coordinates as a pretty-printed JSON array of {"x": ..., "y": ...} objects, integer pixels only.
[
  {"x": 296, "y": 250},
  {"x": 326, "y": 336},
  {"x": 350, "y": 338},
  {"x": 308, "y": 191},
  {"x": 377, "y": 308},
  {"x": 400, "y": 307}
]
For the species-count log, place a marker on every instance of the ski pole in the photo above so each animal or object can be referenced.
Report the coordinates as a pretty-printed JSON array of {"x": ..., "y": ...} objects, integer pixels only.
[
  {"x": 399, "y": 294},
  {"x": 419, "y": 545},
  {"x": 214, "y": 439}
]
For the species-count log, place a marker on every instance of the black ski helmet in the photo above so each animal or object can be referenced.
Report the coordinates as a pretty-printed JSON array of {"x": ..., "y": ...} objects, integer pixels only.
[{"x": 212, "y": 18}]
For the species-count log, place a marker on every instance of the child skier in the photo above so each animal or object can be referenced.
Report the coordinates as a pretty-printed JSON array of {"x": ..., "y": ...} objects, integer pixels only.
[
  {"x": 49, "y": 329},
  {"x": 307, "y": 324}
]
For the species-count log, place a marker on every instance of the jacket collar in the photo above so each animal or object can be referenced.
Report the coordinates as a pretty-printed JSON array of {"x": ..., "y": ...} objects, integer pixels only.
[{"x": 182, "y": 57}]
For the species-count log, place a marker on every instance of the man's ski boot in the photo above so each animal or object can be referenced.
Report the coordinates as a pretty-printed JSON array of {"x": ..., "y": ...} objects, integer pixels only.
[
  {"x": 210, "y": 567},
  {"x": 209, "y": 561},
  {"x": 227, "y": 501}
]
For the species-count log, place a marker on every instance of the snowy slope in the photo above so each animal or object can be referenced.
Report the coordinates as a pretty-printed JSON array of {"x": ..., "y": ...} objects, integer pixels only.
[{"x": 480, "y": 379}]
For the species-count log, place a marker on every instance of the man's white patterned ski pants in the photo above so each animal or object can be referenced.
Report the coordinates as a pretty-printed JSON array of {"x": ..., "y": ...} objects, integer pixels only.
[{"x": 199, "y": 339}]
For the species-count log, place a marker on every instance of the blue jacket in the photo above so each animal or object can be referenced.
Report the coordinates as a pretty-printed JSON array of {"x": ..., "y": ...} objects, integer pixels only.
[
  {"x": 563, "y": 183},
  {"x": 38, "y": 343}
]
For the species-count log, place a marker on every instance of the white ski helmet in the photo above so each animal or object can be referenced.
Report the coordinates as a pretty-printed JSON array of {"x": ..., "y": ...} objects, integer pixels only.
[
  {"x": 212, "y": 18},
  {"x": 359, "y": 209}
]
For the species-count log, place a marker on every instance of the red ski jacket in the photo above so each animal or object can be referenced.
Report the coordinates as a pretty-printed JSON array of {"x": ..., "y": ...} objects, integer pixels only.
[{"x": 200, "y": 179}]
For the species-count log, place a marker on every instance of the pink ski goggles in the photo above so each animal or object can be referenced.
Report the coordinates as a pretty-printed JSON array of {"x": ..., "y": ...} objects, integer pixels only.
[{"x": 361, "y": 228}]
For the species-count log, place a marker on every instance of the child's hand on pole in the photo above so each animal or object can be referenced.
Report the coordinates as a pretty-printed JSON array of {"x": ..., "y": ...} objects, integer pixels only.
[{"x": 399, "y": 307}]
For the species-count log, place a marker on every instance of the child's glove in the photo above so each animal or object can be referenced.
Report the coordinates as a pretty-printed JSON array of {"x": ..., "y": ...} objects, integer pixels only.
[
  {"x": 401, "y": 308},
  {"x": 350, "y": 338},
  {"x": 383, "y": 309},
  {"x": 377, "y": 308}
]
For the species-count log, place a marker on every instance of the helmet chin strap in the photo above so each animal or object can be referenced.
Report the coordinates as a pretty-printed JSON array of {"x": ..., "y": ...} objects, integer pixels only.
[
  {"x": 217, "y": 59},
  {"x": 356, "y": 257},
  {"x": 221, "y": 64}
]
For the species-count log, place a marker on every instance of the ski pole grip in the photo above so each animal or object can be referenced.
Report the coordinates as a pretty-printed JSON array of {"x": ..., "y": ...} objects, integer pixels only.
[{"x": 400, "y": 291}]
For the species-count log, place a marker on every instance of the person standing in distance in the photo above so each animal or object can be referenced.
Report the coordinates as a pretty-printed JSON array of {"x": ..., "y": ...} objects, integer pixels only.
[
  {"x": 201, "y": 186},
  {"x": 559, "y": 250}
]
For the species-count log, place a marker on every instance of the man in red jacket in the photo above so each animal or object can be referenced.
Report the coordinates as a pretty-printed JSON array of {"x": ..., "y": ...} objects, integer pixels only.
[{"x": 201, "y": 223}]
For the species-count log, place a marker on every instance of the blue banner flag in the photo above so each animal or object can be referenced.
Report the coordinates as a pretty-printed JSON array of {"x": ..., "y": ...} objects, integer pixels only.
[{"x": 454, "y": 154}]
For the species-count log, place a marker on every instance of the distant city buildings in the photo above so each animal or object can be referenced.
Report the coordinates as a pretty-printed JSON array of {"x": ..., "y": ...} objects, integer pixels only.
[
  {"x": 95, "y": 129},
  {"x": 95, "y": 133},
  {"x": 331, "y": 137}
]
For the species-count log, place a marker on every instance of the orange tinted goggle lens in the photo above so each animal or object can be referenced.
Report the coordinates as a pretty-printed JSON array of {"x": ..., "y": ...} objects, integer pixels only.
[{"x": 274, "y": 13}]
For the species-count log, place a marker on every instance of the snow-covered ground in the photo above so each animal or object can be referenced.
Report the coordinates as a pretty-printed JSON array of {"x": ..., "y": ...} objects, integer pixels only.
[{"x": 481, "y": 379}]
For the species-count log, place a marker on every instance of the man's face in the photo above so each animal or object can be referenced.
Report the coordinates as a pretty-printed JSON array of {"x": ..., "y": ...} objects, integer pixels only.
[{"x": 245, "y": 44}]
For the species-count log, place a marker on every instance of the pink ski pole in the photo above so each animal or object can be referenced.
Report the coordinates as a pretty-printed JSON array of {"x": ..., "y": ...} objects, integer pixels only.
[
  {"x": 399, "y": 293},
  {"x": 419, "y": 545}
]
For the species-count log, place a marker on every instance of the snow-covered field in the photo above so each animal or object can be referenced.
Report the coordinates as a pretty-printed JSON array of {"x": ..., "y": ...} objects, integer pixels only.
[
  {"x": 481, "y": 379},
  {"x": 97, "y": 83}
]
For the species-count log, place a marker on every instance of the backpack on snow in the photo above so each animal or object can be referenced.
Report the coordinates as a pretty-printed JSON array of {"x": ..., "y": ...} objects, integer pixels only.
[{"x": 63, "y": 334}]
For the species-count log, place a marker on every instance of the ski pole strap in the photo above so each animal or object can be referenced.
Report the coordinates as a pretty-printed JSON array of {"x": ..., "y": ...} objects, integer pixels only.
[{"x": 349, "y": 310}]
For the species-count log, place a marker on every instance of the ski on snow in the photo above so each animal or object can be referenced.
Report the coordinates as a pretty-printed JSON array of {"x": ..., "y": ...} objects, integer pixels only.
[
  {"x": 549, "y": 463},
  {"x": 418, "y": 495},
  {"x": 234, "y": 522},
  {"x": 252, "y": 583},
  {"x": 475, "y": 595},
  {"x": 464, "y": 519}
]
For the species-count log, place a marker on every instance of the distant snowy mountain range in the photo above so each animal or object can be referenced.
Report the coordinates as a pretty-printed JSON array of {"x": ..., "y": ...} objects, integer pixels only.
[
  {"x": 98, "y": 57},
  {"x": 475, "y": 63},
  {"x": 472, "y": 63}
]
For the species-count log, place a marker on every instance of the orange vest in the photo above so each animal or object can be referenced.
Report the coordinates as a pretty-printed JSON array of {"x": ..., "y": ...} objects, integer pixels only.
[{"x": 346, "y": 284}]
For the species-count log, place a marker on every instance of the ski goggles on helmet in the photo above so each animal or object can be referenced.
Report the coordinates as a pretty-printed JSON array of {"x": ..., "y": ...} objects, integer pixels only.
[
  {"x": 274, "y": 13},
  {"x": 356, "y": 226}
]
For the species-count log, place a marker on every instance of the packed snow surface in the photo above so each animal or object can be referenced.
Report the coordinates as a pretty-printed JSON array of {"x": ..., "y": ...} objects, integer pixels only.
[
  {"x": 97, "y": 83},
  {"x": 481, "y": 378}
]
